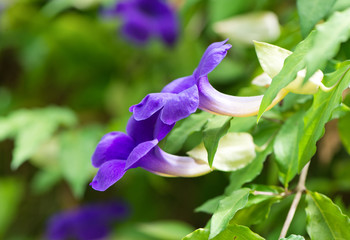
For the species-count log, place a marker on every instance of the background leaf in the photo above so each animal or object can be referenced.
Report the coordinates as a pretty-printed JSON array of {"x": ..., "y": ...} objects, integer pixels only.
[
  {"x": 344, "y": 131},
  {"x": 324, "y": 219},
  {"x": 294, "y": 237}
]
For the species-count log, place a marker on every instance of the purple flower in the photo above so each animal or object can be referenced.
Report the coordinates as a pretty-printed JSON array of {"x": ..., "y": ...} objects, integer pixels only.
[
  {"x": 118, "y": 152},
  {"x": 183, "y": 96},
  {"x": 144, "y": 19},
  {"x": 86, "y": 223}
]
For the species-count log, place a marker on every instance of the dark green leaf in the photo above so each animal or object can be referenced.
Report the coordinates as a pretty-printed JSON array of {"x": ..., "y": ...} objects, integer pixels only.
[
  {"x": 320, "y": 113},
  {"x": 215, "y": 128},
  {"x": 344, "y": 131},
  {"x": 325, "y": 219},
  {"x": 311, "y": 12},
  {"x": 227, "y": 209},
  {"x": 177, "y": 137},
  {"x": 210, "y": 206},
  {"x": 286, "y": 147}
]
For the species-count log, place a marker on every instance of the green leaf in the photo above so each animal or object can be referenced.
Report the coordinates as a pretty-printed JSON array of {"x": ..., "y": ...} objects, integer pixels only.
[
  {"x": 320, "y": 113},
  {"x": 311, "y": 12},
  {"x": 286, "y": 146},
  {"x": 170, "y": 230},
  {"x": 32, "y": 128},
  {"x": 227, "y": 209},
  {"x": 177, "y": 137},
  {"x": 210, "y": 206},
  {"x": 325, "y": 219},
  {"x": 11, "y": 192},
  {"x": 249, "y": 172},
  {"x": 293, "y": 237},
  {"x": 232, "y": 232},
  {"x": 344, "y": 131},
  {"x": 256, "y": 210},
  {"x": 292, "y": 65},
  {"x": 215, "y": 128},
  {"x": 327, "y": 40},
  {"x": 199, "y": 234},
  {"x": 75, "y": 157}
]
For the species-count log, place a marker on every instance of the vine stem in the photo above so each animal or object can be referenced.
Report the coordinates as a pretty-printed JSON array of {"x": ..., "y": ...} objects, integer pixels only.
[{"x": 300, "y": 189}]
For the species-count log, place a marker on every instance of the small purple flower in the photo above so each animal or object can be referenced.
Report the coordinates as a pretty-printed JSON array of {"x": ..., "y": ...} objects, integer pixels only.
[
  {"x": 144, "y": 19},
  {"x": 86, "y": 223},
  {"x": 118, "y": 152}
]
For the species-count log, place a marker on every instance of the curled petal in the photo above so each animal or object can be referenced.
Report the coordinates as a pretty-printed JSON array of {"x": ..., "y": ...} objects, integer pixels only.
[
  {"x": 113, "y": 145},
  {"x": 180, "y": 106},
  {"x": 213, "y": 101},
  {"x": 211, "y": 58},
  {"x": 179, "y": 85},
  {"x": 108, "y": 174},
  {"x": 151, "y": 104},
  {"x": 168, "y": 165},
  {"x": 139, "y": 152}
]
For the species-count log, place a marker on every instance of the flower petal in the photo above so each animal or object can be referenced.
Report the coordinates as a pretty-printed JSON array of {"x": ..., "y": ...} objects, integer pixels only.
[
  {"x": 113, "y": 145},
  {"x": 180, "y": 106},
  {"x": 149, "y": 105},
  {"x": 179, "y": 85},
  {"x": 139, "y": 152},
  {"x": 149, "y": 129},
  {"x": 108, "y": 174},
  {"x": 211, "y": 58},
  {"x": 161, "y": 163}
]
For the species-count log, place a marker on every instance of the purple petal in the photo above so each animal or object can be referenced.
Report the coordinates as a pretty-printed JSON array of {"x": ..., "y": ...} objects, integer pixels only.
[
  {"x": 108, "y": 174},
  {"x": 151, "y": 104},
  {"x": 179, "y": 85},
  {"x": 136, "y": 31},
  {"x": 211, "y": 58},
  {"x": 180, "y": 106},
  {"x": 113, "y": 145},
  {"x": 139, "y": 152}
]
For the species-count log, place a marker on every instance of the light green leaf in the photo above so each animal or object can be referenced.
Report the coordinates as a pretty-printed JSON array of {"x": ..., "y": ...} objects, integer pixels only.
[
  {"x": 227, "y": 209},
  {"x": 215, "y": 128},
  {"x": 249, "y": 172},
  {"x": 292, "y": 65},
  {"x": 32, "y": 128},
  {"x": 221, "y": 9},
  {"x": 177, "y": 137},
  {"x": 294, "y": 237},
  {"x": 11, "y": 192},
  {"x": 210, "y": 206},
  {"x": 311, "y": 12},
  {"x": 344, "y": 131},
  {"x": 327, "y": 40},
  {"x": 324, "y": 219},
  {"x": 44, "y": 180},
  {"x": 170, "y": 230},
  {"x": 75, "y": 157},
  {"x": 234, "y": 151},
  {"x": 320, "y": 113},
  {"x": 286, "y": 146},
  {"x": 199, "y": 234}
]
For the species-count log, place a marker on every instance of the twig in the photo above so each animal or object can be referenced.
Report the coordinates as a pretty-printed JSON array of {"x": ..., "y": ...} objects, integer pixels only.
[{"x": 300, "y": 189}]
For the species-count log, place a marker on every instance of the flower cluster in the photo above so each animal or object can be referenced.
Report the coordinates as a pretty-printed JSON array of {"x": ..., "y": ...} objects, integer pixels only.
[{"x": 143, "y": 19}]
